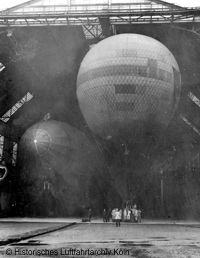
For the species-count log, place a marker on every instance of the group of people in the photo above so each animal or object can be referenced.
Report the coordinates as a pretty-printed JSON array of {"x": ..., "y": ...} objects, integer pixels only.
[
  {"x": 132, "y": 214},
  {"x": 128, "y": 214}
]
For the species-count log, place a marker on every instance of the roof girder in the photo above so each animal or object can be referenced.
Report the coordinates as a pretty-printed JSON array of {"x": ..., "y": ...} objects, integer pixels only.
[
  {"x": 14, "y": 8},
  {"x": 168, "y": 4},
  {"x": 108, "y": 4}
]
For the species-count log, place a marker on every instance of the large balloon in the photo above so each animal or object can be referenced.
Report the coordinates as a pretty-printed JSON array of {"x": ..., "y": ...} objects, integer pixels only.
[
  {"x": 59, "y": 160},
  {"x": 126, "y": 82}
]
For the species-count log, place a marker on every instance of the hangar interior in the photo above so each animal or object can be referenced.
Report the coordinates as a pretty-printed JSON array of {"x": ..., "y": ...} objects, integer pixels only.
[{"x": 42, "y": 43}]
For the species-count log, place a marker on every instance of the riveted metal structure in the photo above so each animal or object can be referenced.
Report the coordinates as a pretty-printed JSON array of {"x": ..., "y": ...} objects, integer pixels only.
[{"x": 98, "y": 18}]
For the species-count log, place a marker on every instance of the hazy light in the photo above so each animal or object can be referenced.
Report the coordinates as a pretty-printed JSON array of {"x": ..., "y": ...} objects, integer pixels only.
[{"x": 35, "y": 141}]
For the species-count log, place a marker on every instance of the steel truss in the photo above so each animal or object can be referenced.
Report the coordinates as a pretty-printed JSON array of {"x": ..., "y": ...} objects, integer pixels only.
[
  {"x": 90, "y": 18},
  {"x": 97, "y": 18},
  {"x": 5, "y": 118},
  {"x": 91, "y": 23}
]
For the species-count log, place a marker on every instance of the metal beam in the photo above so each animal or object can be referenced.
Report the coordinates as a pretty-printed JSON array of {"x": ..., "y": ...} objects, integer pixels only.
[
  {"x": 102, "y": 13},
  {"x": 194, "y": 98},
  {"x": 170, "y": 5},
  {"x": 10, "y": 132},
  {"x": 17, "y": 105},
  {"x": 190, "y": 124},
  {"x": 106, "y": 26},
  {"x": 16, "y": 7},
  {"x": 92, "y": 18},
  {"x": 93, "y": 31}
]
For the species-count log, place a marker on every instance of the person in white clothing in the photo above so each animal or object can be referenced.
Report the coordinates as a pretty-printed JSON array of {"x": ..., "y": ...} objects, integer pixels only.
[
  {"x": 125, "y": 215},
  {"x": 118, "y": 217},
  {"x": 128, "y": 215},
  {"x": 113, "y": 215}
]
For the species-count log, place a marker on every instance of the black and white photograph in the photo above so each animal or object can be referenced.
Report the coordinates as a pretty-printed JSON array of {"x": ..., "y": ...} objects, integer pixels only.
[{"x": 100, "y": 128}]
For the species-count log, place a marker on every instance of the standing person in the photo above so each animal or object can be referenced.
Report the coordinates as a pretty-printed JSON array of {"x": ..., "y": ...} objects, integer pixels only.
[
  {"x": 118, "y": 217},
  {"x": 113, "y": 215},
  {"x": 136, "y": 215},
  {"x": 89, "y": 214},
  {"x": 108, "y": 215},
  {"x": 139, "y": 216},
  {"x": 128, "y": 215},
  {"x": 134, "y": 212},
  {"x": 125, "y": 215},
  {"x": 104, "y": 215}
]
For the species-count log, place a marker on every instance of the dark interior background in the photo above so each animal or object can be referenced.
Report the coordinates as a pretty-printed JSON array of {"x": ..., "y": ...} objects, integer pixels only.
[{"x": 45, "y": 62}]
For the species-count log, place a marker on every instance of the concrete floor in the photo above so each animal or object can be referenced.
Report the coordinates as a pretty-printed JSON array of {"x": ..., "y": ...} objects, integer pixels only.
[
  {"x": 12, "y": 229},
  {"x": 149, "y": 239}
]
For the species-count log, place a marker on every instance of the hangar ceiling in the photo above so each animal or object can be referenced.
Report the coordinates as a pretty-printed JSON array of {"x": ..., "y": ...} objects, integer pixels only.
[{"x": 97, "y": 17}]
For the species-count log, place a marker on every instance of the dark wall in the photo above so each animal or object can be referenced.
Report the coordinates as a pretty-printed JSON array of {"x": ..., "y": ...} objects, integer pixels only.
[{"x": 44, "y": 61}]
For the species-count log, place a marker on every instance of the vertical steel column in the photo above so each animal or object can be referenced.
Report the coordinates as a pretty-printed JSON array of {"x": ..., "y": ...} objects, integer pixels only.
[{"x": 7, "y": 151}]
